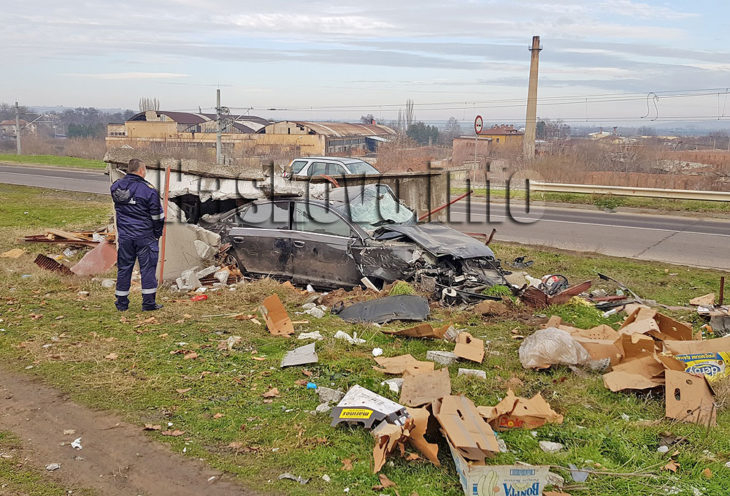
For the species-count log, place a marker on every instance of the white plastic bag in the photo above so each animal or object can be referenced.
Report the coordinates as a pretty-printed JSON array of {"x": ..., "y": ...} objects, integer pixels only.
[{"x": 551, "y": 346}]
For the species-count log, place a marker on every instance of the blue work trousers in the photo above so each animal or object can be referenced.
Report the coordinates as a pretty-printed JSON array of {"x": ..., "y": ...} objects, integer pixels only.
[{"x": 146, "y": 250}]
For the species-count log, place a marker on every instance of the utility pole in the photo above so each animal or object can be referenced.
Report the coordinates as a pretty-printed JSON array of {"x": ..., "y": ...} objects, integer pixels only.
[
  {"x": 17, "y": 129},
  {"x": 218, "y": 139},
  {"x": 528, "y": 141}
]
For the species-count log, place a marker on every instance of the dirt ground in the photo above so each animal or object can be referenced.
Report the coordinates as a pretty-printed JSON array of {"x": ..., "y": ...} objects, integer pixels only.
[{"x": 116, "y": 458}]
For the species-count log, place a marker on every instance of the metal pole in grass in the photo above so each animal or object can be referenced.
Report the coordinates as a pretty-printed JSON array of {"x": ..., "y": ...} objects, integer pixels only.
[{"x": 164, "y": 226}]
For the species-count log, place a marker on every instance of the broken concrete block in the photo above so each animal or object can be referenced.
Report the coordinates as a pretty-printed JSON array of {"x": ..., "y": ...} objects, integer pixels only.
[
  {"x": 204, "y": 250},
  {"x": 311, "y": 335},
  {"x": 443, "y": 357},
  {"x": 473, "y": 372},
  {"x": 188, "y": 280},
  {"x": 323, "y": 408},
  {"x": 315, "y": 312},
  {"x": 329, "y": 395},
  {"x": 300, "y": 356},
  {"x": 550, "y": 447},
  {"x": 207, "y": 271},
  {"x": 393, "y": 384}
]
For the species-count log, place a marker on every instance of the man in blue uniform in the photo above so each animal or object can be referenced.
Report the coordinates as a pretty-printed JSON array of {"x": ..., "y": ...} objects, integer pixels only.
[{"x": 139, "y": 226}]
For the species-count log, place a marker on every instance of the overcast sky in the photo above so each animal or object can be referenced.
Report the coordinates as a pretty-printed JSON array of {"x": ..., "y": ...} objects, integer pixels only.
[{"x": 340, "y": 60}]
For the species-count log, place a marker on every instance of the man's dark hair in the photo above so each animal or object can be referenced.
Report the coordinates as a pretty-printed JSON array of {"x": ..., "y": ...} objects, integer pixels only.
[{"x": 134, "y": 165}]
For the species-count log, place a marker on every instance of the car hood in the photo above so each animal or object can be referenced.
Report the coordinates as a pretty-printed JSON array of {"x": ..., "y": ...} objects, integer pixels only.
[{"x": 437, "y": 239}]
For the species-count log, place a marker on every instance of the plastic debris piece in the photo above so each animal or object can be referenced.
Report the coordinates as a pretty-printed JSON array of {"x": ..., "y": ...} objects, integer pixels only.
[
  {"x": 311, "y": 335},
  {"x": 289, "y": 476},
  {"x": 350, "y": 339},
  {"x": 300, "y": 356},
  {"x": 377, "y": 352},
  {"x": 551, "y": 346},
  {"x": 577, "y": 474},
  {"x": 362, "y": 406},
  {"x": 76, "y": 443},
  {"x": 383, "y": 310}
]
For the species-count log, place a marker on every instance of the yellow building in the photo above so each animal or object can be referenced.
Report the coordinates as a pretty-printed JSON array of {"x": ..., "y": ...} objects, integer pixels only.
[{"x": 503, "y": 136}]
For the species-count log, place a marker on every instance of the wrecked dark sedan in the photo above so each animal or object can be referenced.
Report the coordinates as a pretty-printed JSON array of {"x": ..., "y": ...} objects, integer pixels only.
[{"x": 358, "y": 231}]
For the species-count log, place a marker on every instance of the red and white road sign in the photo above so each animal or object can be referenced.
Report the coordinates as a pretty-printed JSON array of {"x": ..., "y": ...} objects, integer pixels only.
[{"x": 478, "y": 124}]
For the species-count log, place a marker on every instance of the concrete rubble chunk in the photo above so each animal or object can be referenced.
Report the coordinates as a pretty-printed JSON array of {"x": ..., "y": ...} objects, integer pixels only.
[
  {"x": 473, "y": 372},
  {"x": 550, "y": 447},
  {"x": 311, "y": 335},
  {"x": 443, "y": 357},
  {"x": 329, "y": 395},
  {"x": 207, "y": 271},
  {"x": 300, "y": 356},
  {"x": 188, "y": 280},
  {"x": 393, "y": 384},
  {"x": 555, "y": 480}
]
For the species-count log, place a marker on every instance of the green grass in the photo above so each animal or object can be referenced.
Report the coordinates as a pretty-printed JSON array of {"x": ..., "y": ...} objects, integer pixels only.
[
  {"x": 283, "y": 436},
  {"x": 18, "y": 478},
  {"x": 57, "y": 160},
  {"x": 606, "y": 201}
]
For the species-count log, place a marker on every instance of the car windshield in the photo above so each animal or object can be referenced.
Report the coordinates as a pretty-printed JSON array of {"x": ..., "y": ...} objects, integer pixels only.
[
  {"x": 377, "y": 206},
  {"x": 361, "y": 167}
]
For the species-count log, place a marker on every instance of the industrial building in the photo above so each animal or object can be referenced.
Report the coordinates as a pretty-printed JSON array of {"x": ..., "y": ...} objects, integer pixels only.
[{"x": 245, "y": 139}]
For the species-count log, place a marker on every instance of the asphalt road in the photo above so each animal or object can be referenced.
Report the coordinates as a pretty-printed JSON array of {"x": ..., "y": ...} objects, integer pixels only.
[{"x": 679, "y": 240}]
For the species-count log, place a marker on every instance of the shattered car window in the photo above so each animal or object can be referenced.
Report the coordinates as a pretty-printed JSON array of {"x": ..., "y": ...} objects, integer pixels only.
[
  {"x": 376, "y": 207},
  {"x": 317, "y": 219}
]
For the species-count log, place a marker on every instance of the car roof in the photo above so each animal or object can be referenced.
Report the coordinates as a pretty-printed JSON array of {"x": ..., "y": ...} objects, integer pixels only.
[{"x": 343, "y": 160}]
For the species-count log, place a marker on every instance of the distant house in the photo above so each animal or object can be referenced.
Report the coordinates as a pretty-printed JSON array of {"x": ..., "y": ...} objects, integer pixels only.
[
  {"x": 503, "y": 135},
  {"x": 7, "y": 128}
]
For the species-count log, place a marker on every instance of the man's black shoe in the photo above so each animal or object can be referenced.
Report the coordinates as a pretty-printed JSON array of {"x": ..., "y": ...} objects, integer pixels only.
[{"x": 152, "y": 309}]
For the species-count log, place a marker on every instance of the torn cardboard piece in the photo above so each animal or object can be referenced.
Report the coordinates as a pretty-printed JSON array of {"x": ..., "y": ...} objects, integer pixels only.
[
  {"x": 300, "y": 356},
  {"x": 277, "y": 320},
  {"x": 689, "y": 398},
  {"x": 14, "y": 253},
  {"x": 417, "y": 438},
  {"x": 469, "y": 348},
  {"x": 499, "y": 480},
  {"x": 644, "y": 320},
  {"x": 401, "y": 364},
  {"x": 716, "y": 345},
  {"x": 424, "y": 330},
  {"x": 640, "y": 373},
  {"x": 424, "y": 388},
  {"x": 465, "y": 429},
  {"x": 707, "y": 300},
  {"x": 515, "y": 412},
  {"x": 97, "y": 261},
  {"x": 362, "y": 406},
  {"x": 387, "y": 436}
]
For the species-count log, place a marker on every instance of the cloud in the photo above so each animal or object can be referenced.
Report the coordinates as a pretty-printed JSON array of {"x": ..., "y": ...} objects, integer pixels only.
[{"x": 131, "y": 75}]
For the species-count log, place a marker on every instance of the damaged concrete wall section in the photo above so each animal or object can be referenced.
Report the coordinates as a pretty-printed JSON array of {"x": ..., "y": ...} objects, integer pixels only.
[{"x": 197, "y": 189}]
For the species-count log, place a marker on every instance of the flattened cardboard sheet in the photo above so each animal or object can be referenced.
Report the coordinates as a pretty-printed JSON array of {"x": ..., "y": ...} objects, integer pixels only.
[
  {"x": 689, "y": 398},
  {"x": 424, "y": 388},
  {"x": 401, "y": 364},
  {"x": 469, "y": 347},
  {"x": 424, "y": 330},
  {"x": 716, "y": 345}
]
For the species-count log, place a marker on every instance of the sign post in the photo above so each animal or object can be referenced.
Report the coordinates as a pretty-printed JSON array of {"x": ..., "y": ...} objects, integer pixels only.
[{"x": 478, "y": 124}]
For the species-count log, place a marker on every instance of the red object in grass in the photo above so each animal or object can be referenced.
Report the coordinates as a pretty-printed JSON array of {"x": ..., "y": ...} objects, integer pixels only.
[{"x": 199, "y": 297}]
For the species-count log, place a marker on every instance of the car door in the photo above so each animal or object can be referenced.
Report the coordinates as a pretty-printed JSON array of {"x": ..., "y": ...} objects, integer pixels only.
[
  {"x": 321, "y": 241},
  {"x": 335, "y": 170},
  {"x": 317, "y": 169},
  {"x": 261, "y": 238}
]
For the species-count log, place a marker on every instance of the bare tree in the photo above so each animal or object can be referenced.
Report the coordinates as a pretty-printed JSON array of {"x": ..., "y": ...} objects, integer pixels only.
[
  {"x": 148, "y": 104},
  {"x": 409, "y": 113}
]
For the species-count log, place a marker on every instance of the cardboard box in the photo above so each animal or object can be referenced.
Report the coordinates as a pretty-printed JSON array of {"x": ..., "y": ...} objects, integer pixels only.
[
  {"x": 499, "y": 480},
  {"x": 712, "y": 365}
]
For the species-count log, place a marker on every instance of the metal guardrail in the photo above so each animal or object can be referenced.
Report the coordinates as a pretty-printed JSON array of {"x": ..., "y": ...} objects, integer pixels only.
[{"x": 674, "y": 194}]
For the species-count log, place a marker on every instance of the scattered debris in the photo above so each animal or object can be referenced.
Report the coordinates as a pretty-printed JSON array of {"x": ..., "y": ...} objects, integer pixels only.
[
  {"x": 229, "y": 343},
  {"x": 288, "y": 476},
  {"x": 271, "y": 393},
  {"x": 707, "y": 300},
  {"x": 424, "y": 330},
  {"x": 387, "y": 437},
  {"x": 550, "y": 447},
  {"x": 538, "y": 298},
  {"x": 362, "y": 406},
  {"x": 515, "y": 412},
  {"x": 473, "y": 373},
  {"x": 551, "y": 346},
  {"x": 443, "y": 357},
  {"x": 491, "y": 307},
  {"x": 350, "y": 339},
  {"x": 393, "y": 384},
  {"x": 53, "y": 466},
  {"x": 97, "y": 261},
  {"x": 383, "y": 310},
  {"x": 277, "y": 320},
  {"x": 329, "y": 395},
  {"x": 377, "y": 352},
  {"x": 76, "y": 444},
  {"x": 48, "y": 263},
  {"x": 689, "y": 398},
  {"x": 417, "y": 438},
  {"x": 14, "y": 253},
  {"x": 300, "y": 356},
  {"x": 311, "y": 335},
  {"x": 75, "y": 238}
]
